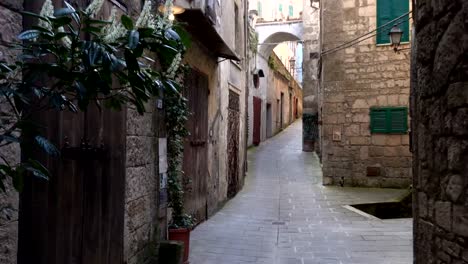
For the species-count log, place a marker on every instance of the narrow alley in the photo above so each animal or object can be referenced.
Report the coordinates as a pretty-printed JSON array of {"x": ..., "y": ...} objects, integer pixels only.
[{"x": 284, "y": 215}]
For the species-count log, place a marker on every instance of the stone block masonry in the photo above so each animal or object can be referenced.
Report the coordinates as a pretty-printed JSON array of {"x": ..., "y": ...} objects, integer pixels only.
[
  {"x": 354, "y": 80},
  {"x": 9, "y": 29},
  {"x": 145, "y": 213},
  {"x": 439, "y": 107}
]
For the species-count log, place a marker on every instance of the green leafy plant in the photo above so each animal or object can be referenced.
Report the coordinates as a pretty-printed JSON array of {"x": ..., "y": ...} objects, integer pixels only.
[
  {"x": 253, "y": 40},
  {"x": 272, "y": 63},
  {"x": 177, "y": 114},
  {"x": 70, "y": 60}
]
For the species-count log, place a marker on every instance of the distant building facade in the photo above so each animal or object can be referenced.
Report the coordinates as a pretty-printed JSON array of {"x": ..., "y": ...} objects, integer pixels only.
[{"x": 277, "y": 10}]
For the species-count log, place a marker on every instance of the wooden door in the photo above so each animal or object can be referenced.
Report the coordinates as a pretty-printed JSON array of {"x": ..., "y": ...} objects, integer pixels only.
[
  {"x": 269, "y": 121},
  {"x": 290, "y": 109},
  {"x": 257, "y": 119},
  {"x": 78, "y": 215},
  {"x": 233, "y": 144},
  {"x": 281, "y": 111},
  {"x": 195, "y": 163}
]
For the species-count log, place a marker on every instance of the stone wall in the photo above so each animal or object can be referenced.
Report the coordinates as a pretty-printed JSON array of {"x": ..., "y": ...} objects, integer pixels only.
[
  {"x": 310, "y": 65},
  {"x": 145, "y": 210},
  {"x": 10, "y": 27},
  {"x": 439, "y": 107},
  {"x": 142, "y": 184},
  {"x": 353, "y": 80}
]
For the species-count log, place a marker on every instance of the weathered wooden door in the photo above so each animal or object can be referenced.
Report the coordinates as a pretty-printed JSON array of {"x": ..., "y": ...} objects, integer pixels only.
[
  {"x": 195, "y": 163},
  {"x": 233, "y": 144},
  {"x": 78, "y": 215},
  {"x": 257, "y": 120}
]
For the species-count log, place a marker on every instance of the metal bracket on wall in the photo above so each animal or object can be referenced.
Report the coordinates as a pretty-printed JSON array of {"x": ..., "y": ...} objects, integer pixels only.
[{"x": 85, "y": 151}]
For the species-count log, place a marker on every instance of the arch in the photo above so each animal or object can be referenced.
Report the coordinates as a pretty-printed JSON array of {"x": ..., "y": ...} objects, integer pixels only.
[
  {"x": 276, "y": 32},
  {"x": 266, "y": 48}
]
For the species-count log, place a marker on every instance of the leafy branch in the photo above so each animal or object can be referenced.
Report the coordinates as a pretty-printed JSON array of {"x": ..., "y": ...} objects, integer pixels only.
[{"x": 67, "y": 62}]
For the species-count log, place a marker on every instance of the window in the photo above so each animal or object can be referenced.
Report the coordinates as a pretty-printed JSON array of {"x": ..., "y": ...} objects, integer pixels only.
[
  {"x": 291, "y": 11},
  {"x": 388, "y": 10},
  {"x": 389, "y": 120},
  {"x": 281, "y": 8},
  {"x": 259, "y": 8}
]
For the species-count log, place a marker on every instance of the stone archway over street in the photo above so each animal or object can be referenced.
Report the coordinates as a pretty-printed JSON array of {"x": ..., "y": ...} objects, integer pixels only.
[{"x": 272, "y": 33}]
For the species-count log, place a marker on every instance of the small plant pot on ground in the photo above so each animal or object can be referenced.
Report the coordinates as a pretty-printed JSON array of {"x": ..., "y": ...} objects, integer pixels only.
[{"x": 183, "y": 235}]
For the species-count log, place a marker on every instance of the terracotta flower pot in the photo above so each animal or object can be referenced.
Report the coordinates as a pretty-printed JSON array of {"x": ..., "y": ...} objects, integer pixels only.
[{"x": 182, "y": 234}]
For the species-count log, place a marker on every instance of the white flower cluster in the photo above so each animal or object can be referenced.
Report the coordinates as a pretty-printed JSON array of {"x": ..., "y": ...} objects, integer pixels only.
[
  {"x": 47, "y": 10},
  {"x": 115, "y": 30},
  {"x": 94, "y": 8},
  {"x": 65, "y": 40},
  {"x": 169, "y": 5},
  {"x": 172, "y": 70},
  {"x": 146, "y": 18}
]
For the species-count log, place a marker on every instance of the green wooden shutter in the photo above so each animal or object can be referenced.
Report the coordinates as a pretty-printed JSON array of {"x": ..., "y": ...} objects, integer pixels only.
[
  {"x": 388, "y": 10},
  {"x": 259, "y": 8},
  {"x": 281, "y": 8},
  {"x": 291, "y": 11},
  {"x": 398, "y": 120},
  {"x": 401, "y": 7},
  {"x": 378, "y": 118},
  {"x": 390, "y": 120}
]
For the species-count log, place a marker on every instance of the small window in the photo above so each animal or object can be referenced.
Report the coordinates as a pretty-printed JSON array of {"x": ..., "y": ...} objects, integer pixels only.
[
  {"x": 259, "y": 8},
  {"x": 281, "y": 8},
  {"x": 390, "y": 120},
  {"x": 388, "y": 10},
  {"x": 291, "y": 11}
]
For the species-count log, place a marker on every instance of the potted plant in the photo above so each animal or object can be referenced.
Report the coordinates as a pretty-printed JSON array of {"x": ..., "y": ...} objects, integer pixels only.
[{"x": 176, "y": 116}]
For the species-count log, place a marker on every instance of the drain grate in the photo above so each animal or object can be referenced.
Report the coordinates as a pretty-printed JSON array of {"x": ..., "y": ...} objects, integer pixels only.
[{"x": 278, "y": 223}]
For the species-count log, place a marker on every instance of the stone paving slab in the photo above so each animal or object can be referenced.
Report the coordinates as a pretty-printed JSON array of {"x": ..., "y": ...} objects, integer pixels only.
[{"x": 284, "y": 215}]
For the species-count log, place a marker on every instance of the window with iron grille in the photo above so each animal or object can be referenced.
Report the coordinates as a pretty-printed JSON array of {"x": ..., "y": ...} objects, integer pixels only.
[{"x": 389, "y": 120}]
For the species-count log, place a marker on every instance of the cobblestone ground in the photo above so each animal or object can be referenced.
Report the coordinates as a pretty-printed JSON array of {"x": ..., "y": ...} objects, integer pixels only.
[{"x": 285, "y": 216}]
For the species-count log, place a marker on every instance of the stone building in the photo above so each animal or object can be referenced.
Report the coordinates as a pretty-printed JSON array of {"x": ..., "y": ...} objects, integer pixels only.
[
  {"x": 10, "y": 27},
  {"x": 439, "y": 99},
  {"x": 129, "y": 213},
  {"x": 275, "y": 96},
  {"x": 363, "y": 96},
  {"x": 218, "y": 57},
  {"x": 275, "y": 100},
  {"x": 286, "y": 98}
]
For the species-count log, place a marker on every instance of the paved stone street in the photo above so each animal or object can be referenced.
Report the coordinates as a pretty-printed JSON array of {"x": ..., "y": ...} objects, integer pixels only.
[{"x": 285, "y": 216}]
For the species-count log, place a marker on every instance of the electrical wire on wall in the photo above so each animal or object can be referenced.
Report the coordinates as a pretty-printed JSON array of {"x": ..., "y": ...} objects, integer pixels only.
[{"x": 368, "y": 35}]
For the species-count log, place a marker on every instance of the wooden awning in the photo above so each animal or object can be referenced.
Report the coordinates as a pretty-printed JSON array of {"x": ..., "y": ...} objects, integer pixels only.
[{"x": 200, "y": 27}]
